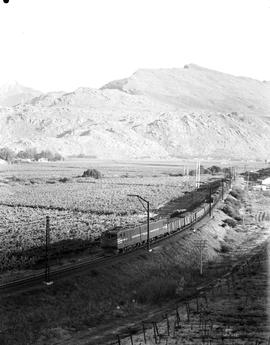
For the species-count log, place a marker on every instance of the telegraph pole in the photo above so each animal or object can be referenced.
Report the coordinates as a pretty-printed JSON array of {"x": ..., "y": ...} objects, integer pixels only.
[
  {"x": 222, "y": 189},
  {"x": 47, "y": 259},
  {"x": 148, "y": 226},
  {"x": 201, "y": 245},
  {"x": 210, "y": 201}
]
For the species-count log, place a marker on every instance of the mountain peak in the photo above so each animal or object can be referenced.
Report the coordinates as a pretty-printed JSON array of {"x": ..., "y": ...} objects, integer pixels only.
[{"x": 13, "y": 93}]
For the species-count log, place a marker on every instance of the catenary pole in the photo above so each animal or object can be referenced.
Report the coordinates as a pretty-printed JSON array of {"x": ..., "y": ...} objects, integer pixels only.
[{"x": 147, "y": 208}]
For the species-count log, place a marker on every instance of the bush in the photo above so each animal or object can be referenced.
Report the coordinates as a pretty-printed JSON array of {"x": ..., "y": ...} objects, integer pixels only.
[
  {"x": 230, "y": 211},
  {"x": 64, "y": 179},
  {"x": 215, "y": 169},
  {"x": 92, "y": 173},
  {"x": 232, "y": 201},
  {"x": 176, "y": 174},
  {"x": 224, "y": 248},
  {"x": 237, "y": 193},
  {"x": 231, "y": 222}
]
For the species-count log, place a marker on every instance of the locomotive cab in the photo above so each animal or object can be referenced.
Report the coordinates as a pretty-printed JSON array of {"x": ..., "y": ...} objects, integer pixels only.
[{"x": 108, "y": 240}]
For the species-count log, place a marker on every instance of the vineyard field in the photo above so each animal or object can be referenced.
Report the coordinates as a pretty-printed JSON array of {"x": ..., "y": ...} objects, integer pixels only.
[{"x": 79, "y": 208}]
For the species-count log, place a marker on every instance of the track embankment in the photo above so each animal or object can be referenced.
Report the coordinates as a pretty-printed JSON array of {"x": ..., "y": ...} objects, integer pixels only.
[{"x": 227, "y": 303}]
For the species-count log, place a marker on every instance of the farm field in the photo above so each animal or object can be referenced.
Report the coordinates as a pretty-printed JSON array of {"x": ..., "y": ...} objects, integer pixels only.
[{"x": 79, "y": 208}]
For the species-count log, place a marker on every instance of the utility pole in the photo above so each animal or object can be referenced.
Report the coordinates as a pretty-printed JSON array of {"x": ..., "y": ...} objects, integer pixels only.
[
  {"x": 201, "y": 245},
  {"x": 247, "y": 180},
  {"x": 47, "y": 259},
  {"x": 147, "y": 208}
]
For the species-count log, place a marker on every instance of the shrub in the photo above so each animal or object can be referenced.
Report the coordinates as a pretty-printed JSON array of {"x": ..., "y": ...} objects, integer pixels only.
[
  {"x": 64, "y": 179},
  {"x": 176, "y": 174},
  {"x": 232, "y": 201},
  {"x": 215, "y": 169},
  {"x": 231, "y": 211},
  {"x": 224, "y": 247},
  {"x": 237, "y": 193},
  {"x": 92, "y": 173}
]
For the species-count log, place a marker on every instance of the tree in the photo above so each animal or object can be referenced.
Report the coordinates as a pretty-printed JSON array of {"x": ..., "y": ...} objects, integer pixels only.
[
  {"x": 92, "y": 173},
  {"x": 27, "y": 154},
  {"x": 7, "y": 154},
  {"x": 58, "y": 157},
  {"x": 215, "y": 169}
]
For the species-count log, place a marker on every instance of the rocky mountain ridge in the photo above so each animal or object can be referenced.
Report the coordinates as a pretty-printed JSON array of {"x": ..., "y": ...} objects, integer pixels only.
[{"x": 188, "y": 112}]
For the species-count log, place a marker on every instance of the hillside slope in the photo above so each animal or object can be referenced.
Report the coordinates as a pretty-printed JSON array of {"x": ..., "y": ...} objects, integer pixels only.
[
  {"x": 188, "y": 112},
  {"x": 197, "y": 88}
]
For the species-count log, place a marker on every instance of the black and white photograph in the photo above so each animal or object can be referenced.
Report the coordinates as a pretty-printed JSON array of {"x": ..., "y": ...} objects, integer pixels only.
[{"x": 134, "y": 172}]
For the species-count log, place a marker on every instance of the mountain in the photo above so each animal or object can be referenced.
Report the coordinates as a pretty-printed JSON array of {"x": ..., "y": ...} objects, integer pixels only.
[
  {"x": 185, "y": 112},
  {"x": 13, "y": 93},
  {"x": 196, "y": 88}
]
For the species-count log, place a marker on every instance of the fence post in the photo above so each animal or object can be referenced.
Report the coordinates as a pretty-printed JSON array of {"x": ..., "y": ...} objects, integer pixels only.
[{"x": 168, "y": 324}]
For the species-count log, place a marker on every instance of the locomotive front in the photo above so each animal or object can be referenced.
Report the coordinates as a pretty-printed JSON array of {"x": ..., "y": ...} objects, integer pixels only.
[{"x": 108, "y": 239}]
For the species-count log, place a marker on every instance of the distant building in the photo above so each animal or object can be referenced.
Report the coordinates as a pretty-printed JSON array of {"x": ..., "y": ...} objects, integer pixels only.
[
  {"x": 43, "y": 160},
  {"x": 266, "y": 182},
  {"x": 2, "y": 161}
]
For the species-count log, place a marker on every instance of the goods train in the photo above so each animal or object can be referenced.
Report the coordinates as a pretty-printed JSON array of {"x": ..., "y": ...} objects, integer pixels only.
[{"x": 120, "y": 239}]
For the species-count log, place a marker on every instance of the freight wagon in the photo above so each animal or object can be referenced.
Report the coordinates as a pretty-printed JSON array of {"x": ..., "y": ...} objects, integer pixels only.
[{"x": 120, "y": 239}]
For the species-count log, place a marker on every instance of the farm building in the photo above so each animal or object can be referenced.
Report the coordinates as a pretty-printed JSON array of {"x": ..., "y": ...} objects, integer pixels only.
[
  {"x": 43, "y": 160},
  {"x": 266, "y": 182},
  {"x": 2, "y": 161}
]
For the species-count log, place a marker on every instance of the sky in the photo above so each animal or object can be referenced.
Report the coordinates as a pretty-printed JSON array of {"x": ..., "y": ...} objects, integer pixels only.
[{"x": 54, "y": 45}]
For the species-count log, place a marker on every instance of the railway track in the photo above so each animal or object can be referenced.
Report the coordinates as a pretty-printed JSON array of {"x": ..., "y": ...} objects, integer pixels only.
[{"x": 95, "y": 260}]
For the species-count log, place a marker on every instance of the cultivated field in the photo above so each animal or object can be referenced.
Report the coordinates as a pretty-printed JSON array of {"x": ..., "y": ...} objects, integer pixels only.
[{"x": 79, "y": 208}]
